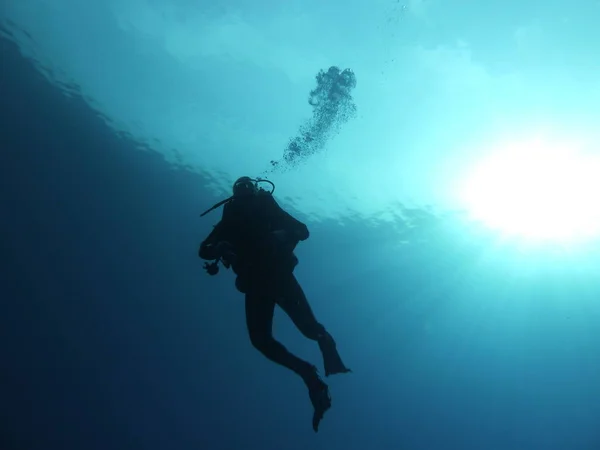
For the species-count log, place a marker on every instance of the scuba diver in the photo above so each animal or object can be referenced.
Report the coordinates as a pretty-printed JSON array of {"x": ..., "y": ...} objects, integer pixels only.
[{"x": 256, "y": 238}]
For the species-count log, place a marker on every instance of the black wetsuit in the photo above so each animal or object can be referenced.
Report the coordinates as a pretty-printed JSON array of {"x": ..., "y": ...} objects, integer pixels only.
[{"x": 264, "y": 267}]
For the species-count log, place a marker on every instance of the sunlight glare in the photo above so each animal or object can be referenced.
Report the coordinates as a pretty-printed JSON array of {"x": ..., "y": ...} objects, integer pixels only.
[{"x": 536, "y": 189}]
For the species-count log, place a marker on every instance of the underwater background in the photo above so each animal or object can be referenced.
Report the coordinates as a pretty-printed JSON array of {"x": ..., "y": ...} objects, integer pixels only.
[{"x": 121, "y": 121}]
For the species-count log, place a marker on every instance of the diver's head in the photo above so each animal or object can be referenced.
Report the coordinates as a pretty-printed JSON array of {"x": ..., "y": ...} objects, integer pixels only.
[{"x": 244, "y": 186}]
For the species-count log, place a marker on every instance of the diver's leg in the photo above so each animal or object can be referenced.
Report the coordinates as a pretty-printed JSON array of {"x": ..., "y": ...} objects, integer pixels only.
[
  {"x": 259, "y": 320},
  {"x": 293, "y": 301}
]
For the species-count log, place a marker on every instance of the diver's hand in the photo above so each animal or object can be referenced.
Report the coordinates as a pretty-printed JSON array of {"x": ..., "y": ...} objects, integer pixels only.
[
  {"x": 226, "y": 251},
  {"x": 224, "y": 247}
]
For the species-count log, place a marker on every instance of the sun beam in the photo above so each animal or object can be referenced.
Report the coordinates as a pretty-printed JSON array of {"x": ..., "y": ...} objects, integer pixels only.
[{"x": 536, "y": 189}]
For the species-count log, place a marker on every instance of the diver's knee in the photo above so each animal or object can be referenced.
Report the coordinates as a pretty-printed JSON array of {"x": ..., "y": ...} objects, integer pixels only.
[
  {"x": 316, "y": 332},
  {"x": 262, "y": 343},
  {"x": 323, "y": 335}
]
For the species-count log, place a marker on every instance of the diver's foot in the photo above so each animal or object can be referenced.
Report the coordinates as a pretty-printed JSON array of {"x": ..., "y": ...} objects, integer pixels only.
[
  {"x": 318, "y": 392},
  {"x": 321, "y": 401},
  {"x": 331, "y": 358},
  {"x": 341, "y": 368},
  {"x": 333, "y": 363}
]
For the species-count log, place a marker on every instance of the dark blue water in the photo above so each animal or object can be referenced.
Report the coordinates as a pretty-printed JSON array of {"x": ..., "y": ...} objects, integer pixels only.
[{"x": 112, "y": 337}]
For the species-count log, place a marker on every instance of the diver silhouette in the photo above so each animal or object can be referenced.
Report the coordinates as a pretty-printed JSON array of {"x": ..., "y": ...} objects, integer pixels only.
[{"x": 256, "y": 238}]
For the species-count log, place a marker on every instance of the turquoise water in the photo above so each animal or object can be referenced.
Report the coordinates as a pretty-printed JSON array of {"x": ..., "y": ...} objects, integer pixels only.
[{"x": 454, "y": 224}]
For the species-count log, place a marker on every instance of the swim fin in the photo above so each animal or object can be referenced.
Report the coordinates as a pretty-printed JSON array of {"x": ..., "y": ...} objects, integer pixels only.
[
  {"x": 321, "y": 401},
  {"x": 319, "y": 394},
  {"x": 331, "y": 358}
]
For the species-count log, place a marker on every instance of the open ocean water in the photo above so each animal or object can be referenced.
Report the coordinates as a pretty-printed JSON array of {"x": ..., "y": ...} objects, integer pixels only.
[{"x": 121, "y": 121}]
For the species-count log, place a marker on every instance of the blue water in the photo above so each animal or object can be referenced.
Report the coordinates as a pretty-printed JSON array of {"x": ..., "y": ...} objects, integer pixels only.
[{"x": 112, "y": 336}]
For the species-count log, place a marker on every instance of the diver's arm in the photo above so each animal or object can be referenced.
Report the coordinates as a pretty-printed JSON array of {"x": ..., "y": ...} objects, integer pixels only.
[
  {"x": 285, "y": 221},
  {"x": 209, "y": 248}
]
